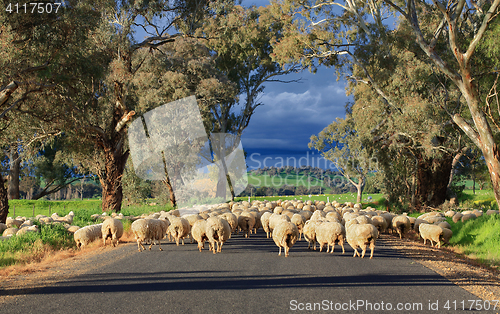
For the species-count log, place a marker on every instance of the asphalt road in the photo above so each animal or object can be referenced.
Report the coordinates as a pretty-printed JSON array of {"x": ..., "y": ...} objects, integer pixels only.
[{"x": 247, "y": 277}]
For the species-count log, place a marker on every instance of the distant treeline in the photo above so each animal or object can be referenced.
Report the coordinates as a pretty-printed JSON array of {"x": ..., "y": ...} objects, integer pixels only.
[{"x": 308, "y": 180}]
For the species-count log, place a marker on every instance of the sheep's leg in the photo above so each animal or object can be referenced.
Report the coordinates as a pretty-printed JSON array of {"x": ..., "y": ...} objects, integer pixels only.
[
  {"x": 424, "y": 240},
  {"x": 177, "y": 241},
  {"x": 314, "y": 245},
  {"x": 342, "y": 245},
  {"x": 321, "y": 246},
  {"x": 356, "y": 252},
  {"x": 364, "y": 251},
  {"x": 279, "y": 254},
  {"x": 139, "y": 244},
  {"x": 287, "y": 251},
  {"x": 372, "y": 248},
  {"x": 333, "y": 247}
]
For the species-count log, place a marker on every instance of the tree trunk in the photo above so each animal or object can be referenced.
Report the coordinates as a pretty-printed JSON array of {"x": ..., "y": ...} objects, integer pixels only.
[
  {"x": 15, "y": 163},
  {"x": 432, "y": 181},
  {"x": 452, "y": 195},
  {"x": 360, "y": 187},
  {"x": 4, "y": 201},
  {"x": 168, "y": 184},
  {"x": 111, "y": 180}
]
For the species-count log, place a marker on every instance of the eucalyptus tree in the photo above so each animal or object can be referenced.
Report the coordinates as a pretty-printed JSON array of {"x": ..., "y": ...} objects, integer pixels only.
[
  {"x": 448, "y": 33},
  {"x": 102, "y": 109},
  {"x": 241, "y": 40},
  {"x": 39, "y": 54},
  {"x": 341, "y": 144}
]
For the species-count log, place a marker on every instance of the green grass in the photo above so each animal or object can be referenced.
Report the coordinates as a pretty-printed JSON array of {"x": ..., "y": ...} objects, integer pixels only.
[
  {"x": 82, "y": 209},
  {"x": 32, "y": 245},
  {"x": 479, "y": 238}
]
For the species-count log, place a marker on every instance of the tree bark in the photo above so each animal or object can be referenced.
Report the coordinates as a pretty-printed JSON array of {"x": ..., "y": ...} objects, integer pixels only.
[
  {"x": 4, "y": 201},
  {"x": 15, "y": 163},
  {"x": 432, "y": 181},
  {"x": 111, "y": 180}
]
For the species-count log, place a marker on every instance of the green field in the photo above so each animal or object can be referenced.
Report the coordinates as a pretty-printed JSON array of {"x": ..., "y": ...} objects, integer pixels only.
[{"x": 293, "y": 179}]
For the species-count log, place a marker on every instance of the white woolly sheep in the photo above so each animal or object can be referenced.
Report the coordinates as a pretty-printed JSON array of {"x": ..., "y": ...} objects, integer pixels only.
[
  {"x": 380, "y": 223},
  {"x": 329, "y": 233},
  {"x": 199, "y": 233},
  {"x": 179, "y": 229},
  {"x": 401, "y": 224},
  {"x": 27, "y": 229},
  {"x": 87, "y": 234},
  {"x": 360, "y": 236},
  {"x": 146, "y": 230},
  {"x": 218, "y": 231},
  {"x": 431, "y": 233},
  {"x": 246, "y": 222},
  {"x": 264, "y": 220},
  {"x": 275, "y": 219},
  {"x": 231, "y": 219},
  {"x": 310, "y": 232},
  {"x": 285, "y": 235},
  {"x": 298, "y": 220},
  {"x": 112, "y": 228},
  {"x": 10, "y": 232}
]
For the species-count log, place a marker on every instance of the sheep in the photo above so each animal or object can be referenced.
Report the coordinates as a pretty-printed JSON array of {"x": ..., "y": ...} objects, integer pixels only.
[
  {"x": 10, "y": 232},
  {"x": 360, "y": 236},
  {"x": 431, "y": 233},
  {"x": 87, "y": 234},
  {"x": 217, "y": 231},
  {"x": 232, "y": 220},
  {"x": 264, "y": 219},
  {"x": 401, "y": 224},
  {"x": 310, "y": 232},
  {"x": 198, "y": 231},
  {"x": 146, "y": 230},
  {"x": 246, "y": 222},
  {"x": 179, "y": 229},
  {"x": 447, "y": 234},
  {"x": 329, "y": 233},
  {"x": 456, "y": 218},
  {"x": 275, "y": 219},
  {"x": 285, "y": 235},
  {"x": 27, "y": 229},
  {"x": 11, "y": 222},
  {"x": 112, "y": 228},
  {"x": 298, "y": 220},
  {"x": 466, "y": 217},
  {"x": 380, "y": 223},
  {"x": 417, "y": 224}
]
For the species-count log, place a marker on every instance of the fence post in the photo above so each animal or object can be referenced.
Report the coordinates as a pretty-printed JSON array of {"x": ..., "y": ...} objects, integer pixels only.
[
  {"x": 49, "y": 209},
  {"x": 14, "y": 214},
  {"x": 33, "y": 210}
]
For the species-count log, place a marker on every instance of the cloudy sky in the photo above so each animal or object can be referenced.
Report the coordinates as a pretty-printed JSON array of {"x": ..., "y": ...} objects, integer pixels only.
[
  {"x": 291, "y": 112},
  {"x": 280, "y": 129}
]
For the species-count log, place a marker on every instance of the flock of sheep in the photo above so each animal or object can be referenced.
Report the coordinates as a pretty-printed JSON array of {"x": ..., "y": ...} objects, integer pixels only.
[{"x": 285, "y": 222}]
